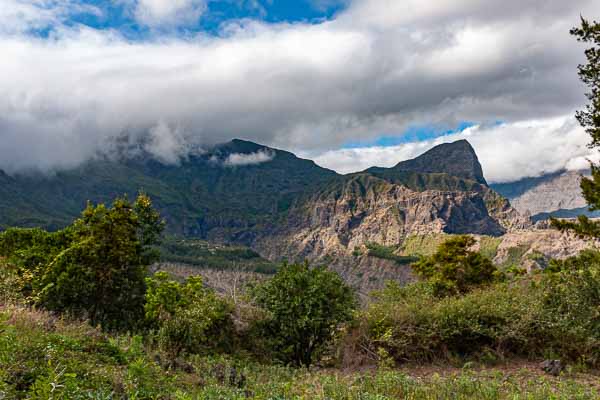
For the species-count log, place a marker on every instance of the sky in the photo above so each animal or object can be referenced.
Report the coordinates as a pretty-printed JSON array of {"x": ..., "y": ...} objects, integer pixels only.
[{"x": 348, "y": 83}]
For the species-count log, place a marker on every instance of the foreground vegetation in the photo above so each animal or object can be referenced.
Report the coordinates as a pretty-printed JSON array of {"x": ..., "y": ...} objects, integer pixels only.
[
  {"x": 45, "y": 357},
  {"x": 298, "y": 335}
]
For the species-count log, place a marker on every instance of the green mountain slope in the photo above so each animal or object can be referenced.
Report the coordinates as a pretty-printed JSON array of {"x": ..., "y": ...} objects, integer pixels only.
[
  {"x": 235, "y": 192},
  {"x": 196, "y": 196}
]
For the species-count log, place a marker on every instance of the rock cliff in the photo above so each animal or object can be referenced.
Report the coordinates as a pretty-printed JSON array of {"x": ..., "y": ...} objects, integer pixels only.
[
  {"x": 551, "y": 194},
  {"x": 442, "y": 191}
]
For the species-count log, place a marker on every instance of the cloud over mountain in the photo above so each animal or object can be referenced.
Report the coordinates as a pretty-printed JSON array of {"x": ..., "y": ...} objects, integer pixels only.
[
  {"x": 242, "y": 159},
  {"x": 375, "y": 68},
  {"x": 507, "y": 152}
]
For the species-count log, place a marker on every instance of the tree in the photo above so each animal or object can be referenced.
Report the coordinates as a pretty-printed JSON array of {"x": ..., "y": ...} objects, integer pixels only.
[
  {"x": 28, "y": 251},
  {"x": 101, "y": 275},
  {"x": 589, "y": 118},
  {"x": 454, "y": 269},
  {"x": 304, "y": 306},
  {"x": 188, "y": 316}
]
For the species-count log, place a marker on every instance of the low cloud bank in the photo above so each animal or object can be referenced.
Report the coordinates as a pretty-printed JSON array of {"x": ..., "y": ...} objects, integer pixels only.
[
  {"x": 507, "y": 151},
  {"x": 372, "y": 69}
]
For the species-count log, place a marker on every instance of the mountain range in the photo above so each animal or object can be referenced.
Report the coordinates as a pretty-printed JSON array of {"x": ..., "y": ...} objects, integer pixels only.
[
  {"x": 241, "y": 191},
  {"x": 364, "y": 225}
]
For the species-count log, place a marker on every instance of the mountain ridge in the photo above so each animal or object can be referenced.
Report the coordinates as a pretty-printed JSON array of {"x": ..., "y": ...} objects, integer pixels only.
[
  {"x": 456, "y": 159},
  {"x": 278, "y": 204}
]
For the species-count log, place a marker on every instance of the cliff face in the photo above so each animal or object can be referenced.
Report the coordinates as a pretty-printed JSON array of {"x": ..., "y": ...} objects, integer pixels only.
[
  {"x": 560, "y": 192},
  {"x": 283, "y": 206},
  {"x": 557, "y": 193},
  {"x": 365, "y": 208},
  {"x": 456, "y": 159}
]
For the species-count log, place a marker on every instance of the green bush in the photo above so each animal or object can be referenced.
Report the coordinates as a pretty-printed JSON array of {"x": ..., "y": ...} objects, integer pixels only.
[
  {"x": 388, "y": 253},
  {"x": 571, "y": 298},
  {"x": 10, "y": 284},
  {"x": 101, "y": 274},
  {"x": 187, "y": 317},
  {"x": 28, "y": 251},
  {"x": 93, "y": 269},
  {"x": 304, "y": 306},
  {"x": 412, "y": 323},
  {"x": 454, "y": 269},
  {"x": 555, "y": 314}
]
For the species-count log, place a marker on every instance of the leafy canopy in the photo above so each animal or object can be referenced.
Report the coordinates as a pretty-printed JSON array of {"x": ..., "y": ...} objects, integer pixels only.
[
  {"x": 454, "y": 269},
  {"x": 186, "y": 317},
  {"x": 94, "y": 268},
  {"x": 304, "y": 305},
  {"x": 589, "y": 118}
]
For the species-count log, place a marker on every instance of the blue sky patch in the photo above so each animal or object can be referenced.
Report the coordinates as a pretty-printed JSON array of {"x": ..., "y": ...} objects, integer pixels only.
[
  {"x": 415, "y": 133},
  {"x": 120, "y": 15}
]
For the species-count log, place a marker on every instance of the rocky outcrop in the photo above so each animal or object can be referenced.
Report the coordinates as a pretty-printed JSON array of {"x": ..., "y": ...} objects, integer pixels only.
[
  {"x": 442, "y": 191},
  {"x": 561, "y": 192},
  {"x": 552, "y": 193},
  {"x": 456, "y": 159},
  {"x": 368, "y": 209},
  {"x": 538, "y": 246}
]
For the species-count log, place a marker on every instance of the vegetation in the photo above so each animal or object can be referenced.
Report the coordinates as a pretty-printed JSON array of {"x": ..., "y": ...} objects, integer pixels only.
[
  {"x": 388, "y": 253},
  {"x": 589, "y": 118},
  {"x": 515, "y": 256},
  {"x": 81, "y": 318},
  {"x": 454, "y": 269},
  {"x": 187, "y": 341},
  {"x": 488, "y": 246},
  {"x": 549, "y": 315},
  {"x": 42, "y": 357},
  {"x": 423, "y": 245},
  {"x": 305, "y": 306},
  {"x": 186, "y": 317},
  {"x": 201, "y": 197},
  {"x": 94, "y": 268},
  {"x": 206, "y": 255}
]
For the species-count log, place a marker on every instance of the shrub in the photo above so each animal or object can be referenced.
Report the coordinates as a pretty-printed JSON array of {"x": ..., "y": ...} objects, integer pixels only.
[
  {"x": 187, "y": 317},
  {"x": 571, "y": 298},
  {"x": 101, "y": 274},
  {"x": 555, "y": 314},
  {"x": 10, "y": 284},
  {"x": 388, "y": 253},
  {"x": 454, "y": 269},
  {"x": 304, "y": 306},
  {"x": 412, "y": 323},
  {"x": 28, "y": 252}
]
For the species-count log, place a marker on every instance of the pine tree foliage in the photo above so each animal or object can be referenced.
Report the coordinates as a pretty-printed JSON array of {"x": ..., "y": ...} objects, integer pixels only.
[
  {"x": 589, "y": 118},
  {"x": 454, "y": 268}
]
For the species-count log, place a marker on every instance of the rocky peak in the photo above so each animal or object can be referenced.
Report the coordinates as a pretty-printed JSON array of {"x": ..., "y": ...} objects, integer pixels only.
[{"x": 456, "y": 159}]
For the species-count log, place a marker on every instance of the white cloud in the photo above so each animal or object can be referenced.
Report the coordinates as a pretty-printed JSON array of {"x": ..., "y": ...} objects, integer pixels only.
[
  {"x": 375, "y": 69},
  {"x": 18, "y": 16},
  {"x": 507, "y": 152},
  {"x": 169, "y": 12},
  {"x": 166, "y": 144},
  {"x": 243, "y": 159}
]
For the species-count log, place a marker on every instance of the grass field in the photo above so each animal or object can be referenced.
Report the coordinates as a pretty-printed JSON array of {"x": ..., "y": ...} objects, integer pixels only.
[{"x": 44, "y": 357}]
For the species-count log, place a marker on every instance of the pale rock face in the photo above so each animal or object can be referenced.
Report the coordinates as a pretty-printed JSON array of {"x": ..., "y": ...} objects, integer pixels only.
[
  {"x": 384, "y": 213},
  {"x": 561, "y": 192},
  {"x": 550, "y": 243},
  {"x": 558, "y": 191}
]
